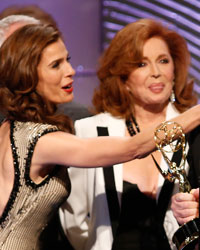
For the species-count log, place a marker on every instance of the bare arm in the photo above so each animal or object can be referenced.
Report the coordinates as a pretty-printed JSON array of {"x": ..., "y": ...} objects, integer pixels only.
[
  {"x": 190, "y": 119},
  {"x": 65, "y": 149}
]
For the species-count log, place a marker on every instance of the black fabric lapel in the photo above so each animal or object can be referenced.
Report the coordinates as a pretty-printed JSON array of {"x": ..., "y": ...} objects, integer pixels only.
[{"x": 111, "y": 193}]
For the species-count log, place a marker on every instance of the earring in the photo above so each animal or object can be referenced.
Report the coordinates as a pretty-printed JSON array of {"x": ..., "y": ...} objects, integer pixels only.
[
  {"x": 128, "y": 89},
  {"x": 172, "y": 97}
]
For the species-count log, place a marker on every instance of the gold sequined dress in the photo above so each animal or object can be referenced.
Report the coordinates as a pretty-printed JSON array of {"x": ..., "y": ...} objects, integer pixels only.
[{"x": 30, "y": 206}]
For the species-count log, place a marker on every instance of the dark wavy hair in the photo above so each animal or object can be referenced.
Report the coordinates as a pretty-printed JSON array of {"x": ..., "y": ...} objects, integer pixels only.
[
  {"x": 20, "y": 55},
  {"x": 123, "y": 55}
]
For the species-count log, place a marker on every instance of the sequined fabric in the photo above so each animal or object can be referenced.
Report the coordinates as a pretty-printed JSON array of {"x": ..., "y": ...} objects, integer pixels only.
[{"x": 30, "y": 206}]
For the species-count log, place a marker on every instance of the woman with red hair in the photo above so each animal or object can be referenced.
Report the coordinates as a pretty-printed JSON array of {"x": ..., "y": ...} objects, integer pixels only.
[{"x": 143, "y": 77}]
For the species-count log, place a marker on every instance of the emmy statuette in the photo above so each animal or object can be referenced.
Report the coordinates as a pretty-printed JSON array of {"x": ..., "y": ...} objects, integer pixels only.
[{"x": 186, "y": 237}]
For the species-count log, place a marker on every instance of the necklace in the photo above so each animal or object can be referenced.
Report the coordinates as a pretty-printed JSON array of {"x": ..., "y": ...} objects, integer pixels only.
[
  {"x": 132, "y": 132},
  {"x": 129, "y": 125}
]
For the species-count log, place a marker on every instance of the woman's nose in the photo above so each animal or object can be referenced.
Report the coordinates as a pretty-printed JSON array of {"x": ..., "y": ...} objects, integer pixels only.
[
  {"x": 156, "y": 76},
  {"x": 70, "y": 70},
  {"x": 73, "y": 72},
  {"x": 155, "y": 72}
]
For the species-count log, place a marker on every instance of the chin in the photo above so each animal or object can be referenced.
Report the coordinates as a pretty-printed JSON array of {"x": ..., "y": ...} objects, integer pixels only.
[{"x": 68, "y": 99}]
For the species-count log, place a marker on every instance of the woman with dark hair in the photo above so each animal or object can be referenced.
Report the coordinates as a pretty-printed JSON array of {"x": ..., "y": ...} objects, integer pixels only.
[{"x": 143, "y": 78}]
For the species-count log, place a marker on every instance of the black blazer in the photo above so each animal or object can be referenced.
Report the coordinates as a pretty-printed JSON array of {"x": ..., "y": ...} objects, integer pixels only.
[{"x": 193, "y": 157}]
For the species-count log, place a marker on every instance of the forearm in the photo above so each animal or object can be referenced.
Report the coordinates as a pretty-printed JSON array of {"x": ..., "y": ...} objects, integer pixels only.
[
  {"x": 190, "y": 119},
  {"x": 66, "y": 149}
]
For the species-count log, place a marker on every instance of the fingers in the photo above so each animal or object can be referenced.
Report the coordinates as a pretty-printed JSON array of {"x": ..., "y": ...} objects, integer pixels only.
[
  {"x": 180, "y": 197},
  {"x": 195, "y": 192},
  {"x": 186, "y": 215},
  {"x": 184, "y": 207}
]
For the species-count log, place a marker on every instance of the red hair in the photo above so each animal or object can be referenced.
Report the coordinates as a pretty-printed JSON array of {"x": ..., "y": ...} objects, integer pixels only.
[{"x": 123, "y": 55}]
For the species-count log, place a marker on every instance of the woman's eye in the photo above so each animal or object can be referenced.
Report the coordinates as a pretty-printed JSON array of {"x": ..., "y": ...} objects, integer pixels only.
[
  {"x": 165, "y": 60},
  {"x": 141, "y": 64},
  {"x": 55, "y": 65},
  {"x": 68, "y": 58}
]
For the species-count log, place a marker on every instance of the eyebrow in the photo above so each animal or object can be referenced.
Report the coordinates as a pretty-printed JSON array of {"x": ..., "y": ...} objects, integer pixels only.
[
  {"x": 160, "y": 56},
  {"x": 54, "y": 61},
  {"x": 58, "y": 59}
]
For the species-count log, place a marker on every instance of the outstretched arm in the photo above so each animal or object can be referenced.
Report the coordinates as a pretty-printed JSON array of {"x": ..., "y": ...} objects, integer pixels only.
[{"x": 66, "y": 149}]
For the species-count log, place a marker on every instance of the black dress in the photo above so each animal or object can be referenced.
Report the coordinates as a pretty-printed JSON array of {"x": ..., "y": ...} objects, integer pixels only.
[{"x": 140, "y": 227}]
